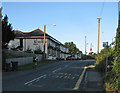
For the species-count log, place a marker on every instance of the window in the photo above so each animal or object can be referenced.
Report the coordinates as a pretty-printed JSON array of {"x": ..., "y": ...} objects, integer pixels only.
[{"x": 35, "y": 42}]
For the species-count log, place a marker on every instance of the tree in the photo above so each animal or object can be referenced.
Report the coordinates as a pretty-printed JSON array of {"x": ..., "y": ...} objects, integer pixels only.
[
  {"x": 7, "y": 32},
  {"x": 72, "y": 48},
  {"x": 7, "y": 35}
]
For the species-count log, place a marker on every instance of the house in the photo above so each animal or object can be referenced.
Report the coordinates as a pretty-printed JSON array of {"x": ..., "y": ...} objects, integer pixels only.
[
  {"x": 35, "y": 40},
  {"x": 78, "y": 55}
]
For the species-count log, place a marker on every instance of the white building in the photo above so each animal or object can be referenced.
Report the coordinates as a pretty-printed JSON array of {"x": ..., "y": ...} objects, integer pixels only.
[
  {"x": 34, "y": 40},
  {"x": 78, "y": 55}
]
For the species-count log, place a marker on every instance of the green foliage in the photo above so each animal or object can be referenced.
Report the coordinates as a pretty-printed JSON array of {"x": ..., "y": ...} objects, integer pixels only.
[
  {"x": 112, "y": 78},
  {"x": 60, "y": 58},
  {"x": 38, "y": 50},
  {"x": 101, "y": 60},
  {"x": 13, "y": 48},
  {"x": 84, "y": 57},
  {"x": 92, "y": 54},
  {"x": 29, "y": 50},
  {"x": 7, "y": 32},
  {"x": 72, "y": 48},
  {"x": 116, "y": 64}
]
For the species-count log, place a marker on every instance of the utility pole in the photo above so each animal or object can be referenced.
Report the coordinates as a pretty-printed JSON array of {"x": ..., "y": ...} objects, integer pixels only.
[
  {"x": 44, "y": 41},
  {"x": 91, "y": 47},
  {"x": 85, "y": 45},
  {"x": 44, "y": 54},
  {"x": 98, "y": 34}
]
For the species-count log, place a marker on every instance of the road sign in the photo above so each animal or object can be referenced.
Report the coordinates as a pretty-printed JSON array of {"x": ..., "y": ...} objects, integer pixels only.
[{"x": 105, "y": 44}]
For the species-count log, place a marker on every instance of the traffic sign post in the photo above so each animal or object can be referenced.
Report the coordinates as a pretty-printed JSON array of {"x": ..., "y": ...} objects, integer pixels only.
[{"x": 105, "y": 44}]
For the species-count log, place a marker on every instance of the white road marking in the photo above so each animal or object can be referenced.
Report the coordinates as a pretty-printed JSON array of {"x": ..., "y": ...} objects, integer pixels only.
[
  {"x": 35, "y": 79},
  {"x": 56, "y": 70},
  {"x": 80, "y": 79},
  {"x": 86, "y": 77}
]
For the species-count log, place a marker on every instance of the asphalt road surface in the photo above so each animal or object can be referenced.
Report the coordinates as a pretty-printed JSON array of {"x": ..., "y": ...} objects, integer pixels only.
[{"x": 58, "y": 76}]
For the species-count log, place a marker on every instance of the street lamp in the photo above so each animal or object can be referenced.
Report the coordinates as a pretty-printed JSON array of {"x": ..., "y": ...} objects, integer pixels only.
[{"x": 44, "y": 40}]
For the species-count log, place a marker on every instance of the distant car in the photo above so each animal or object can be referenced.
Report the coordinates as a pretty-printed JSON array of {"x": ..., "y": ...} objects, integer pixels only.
[
  {"x": 70, "y": 58},
  {"x": 73, "y": 58}
]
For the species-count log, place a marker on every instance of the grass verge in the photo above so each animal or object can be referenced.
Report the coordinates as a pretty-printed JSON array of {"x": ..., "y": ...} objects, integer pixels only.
[{"x": 30, "y": 66}]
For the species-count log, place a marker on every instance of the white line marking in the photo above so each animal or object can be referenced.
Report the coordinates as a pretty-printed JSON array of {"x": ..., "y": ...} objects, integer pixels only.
[
  {"x": 79, "y": 80},
  {"x": 56, "y": 70},
  {"x": 86, "y": 77},
  {"x": 35, "y": 79}
]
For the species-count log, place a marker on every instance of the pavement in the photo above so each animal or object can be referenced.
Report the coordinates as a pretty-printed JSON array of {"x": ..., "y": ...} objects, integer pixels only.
[
  {"x": 58, "y": 76},
  {"x": 92, "y": 81}
]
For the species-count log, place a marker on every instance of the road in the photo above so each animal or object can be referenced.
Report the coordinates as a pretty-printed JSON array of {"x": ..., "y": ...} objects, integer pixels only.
[{"x": 58, "y": 76}]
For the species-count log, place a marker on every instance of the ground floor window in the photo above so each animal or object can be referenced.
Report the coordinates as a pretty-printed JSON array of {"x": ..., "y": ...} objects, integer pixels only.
[{"x": 54, "y": 53}]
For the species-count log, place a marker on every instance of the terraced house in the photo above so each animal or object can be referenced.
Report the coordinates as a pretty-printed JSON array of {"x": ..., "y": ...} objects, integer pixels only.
[{"x": 34, "y": 40}]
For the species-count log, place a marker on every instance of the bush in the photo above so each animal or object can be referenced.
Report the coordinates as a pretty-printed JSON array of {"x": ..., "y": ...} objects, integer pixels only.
[
  {"x": 13, "y": 48},
  {"x": 101, "y": 66},
  {"x": 38, "y": 51},
  {"x": 58, "y": 58},
  {"x": 29, "y": 50},
  {"x": 101, "y": 60},
  {"x": 111, "y": 81}
]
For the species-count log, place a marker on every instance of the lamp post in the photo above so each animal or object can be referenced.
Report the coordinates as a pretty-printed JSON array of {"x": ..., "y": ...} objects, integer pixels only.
[
  {"x": 85, "y": 48},
  {"x": 44, "y": 55}
]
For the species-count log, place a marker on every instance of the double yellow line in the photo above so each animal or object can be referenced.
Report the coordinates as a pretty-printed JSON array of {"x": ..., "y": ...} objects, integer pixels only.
[{"x": 80, "y": 79}]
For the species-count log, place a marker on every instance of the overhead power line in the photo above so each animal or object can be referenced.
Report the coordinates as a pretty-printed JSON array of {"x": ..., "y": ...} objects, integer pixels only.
[{"x": 101, "y": 12}]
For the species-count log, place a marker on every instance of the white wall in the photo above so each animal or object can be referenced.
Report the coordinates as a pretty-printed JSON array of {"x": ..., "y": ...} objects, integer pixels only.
[
  {"x": 67, "y": 50},
  {"x": 30, "y": 43},
  {"x": 34, "y": 44},
  {"x": 14, "y": 43},
  {"x": 23, "y": 60},
  {"x": 51, "y": 43}
]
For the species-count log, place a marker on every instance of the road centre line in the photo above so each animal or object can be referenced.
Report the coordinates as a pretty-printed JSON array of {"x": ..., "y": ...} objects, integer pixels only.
[
  {"x": 35, "y": 79},
  {"x": 79, "y": 80}
]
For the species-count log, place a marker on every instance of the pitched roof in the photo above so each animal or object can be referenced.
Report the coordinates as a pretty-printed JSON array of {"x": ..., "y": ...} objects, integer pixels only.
[
  {"x": 36, "y": 32},
  {"x": 18, "y": 33}
]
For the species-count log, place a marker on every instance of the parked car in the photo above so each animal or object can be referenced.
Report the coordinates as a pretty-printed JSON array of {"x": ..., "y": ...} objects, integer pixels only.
[
  {"x": 70, "y": 58},
  {"x": 73, "y": 58}
]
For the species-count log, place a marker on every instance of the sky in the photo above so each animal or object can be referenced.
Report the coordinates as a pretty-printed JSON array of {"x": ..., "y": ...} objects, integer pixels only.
[{"x": 74, "y": 20}]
